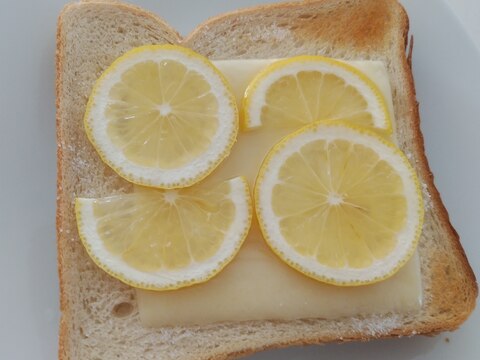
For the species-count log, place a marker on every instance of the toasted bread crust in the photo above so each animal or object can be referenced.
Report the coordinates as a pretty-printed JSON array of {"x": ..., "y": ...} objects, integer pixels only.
[
  {"x": 463, "y": 308},
  {"x": 64, "y": 351},
  {"x": 361, "y": 34},
  {"x": 63, "y": 334},
  {"x": 367, "y": 24}
]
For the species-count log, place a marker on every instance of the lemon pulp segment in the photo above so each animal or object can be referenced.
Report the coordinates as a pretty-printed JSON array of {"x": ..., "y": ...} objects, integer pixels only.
[{"x": 161, "y": 114}]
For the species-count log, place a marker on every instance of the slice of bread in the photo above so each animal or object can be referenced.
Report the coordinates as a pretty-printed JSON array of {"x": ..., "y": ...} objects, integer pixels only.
[{"x": 99, "y": 314}]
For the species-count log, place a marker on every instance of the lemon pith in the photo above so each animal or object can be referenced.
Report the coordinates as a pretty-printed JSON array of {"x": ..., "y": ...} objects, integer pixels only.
[
  {"x": 299, "y": 90},
  {"x": 166, "y": 239},
  {"x": 339, "y": 203},
  {"x": 162, "y": 116}
]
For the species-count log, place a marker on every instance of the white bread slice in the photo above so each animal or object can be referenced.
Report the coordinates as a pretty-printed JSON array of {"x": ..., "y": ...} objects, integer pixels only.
[{"x": 99, "y": 314}]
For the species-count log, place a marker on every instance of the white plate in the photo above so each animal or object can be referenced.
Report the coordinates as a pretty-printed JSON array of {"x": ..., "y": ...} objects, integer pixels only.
[{"x": 448, "y": 88}]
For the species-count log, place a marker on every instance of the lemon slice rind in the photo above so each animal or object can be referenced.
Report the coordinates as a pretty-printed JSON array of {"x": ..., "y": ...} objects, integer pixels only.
[
  {"x": 165, "y": 279},
  {"x": 407, "y": 239}
]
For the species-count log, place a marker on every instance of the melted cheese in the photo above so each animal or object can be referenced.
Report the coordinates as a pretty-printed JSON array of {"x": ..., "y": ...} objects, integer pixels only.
[{"x": 257, "y": 285}]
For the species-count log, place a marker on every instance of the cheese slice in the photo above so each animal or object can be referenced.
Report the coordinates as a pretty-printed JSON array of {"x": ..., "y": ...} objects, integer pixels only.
[{"x": 257, "y": 285}]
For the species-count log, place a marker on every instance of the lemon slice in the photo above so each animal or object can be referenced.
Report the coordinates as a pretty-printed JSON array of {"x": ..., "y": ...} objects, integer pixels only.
[
  {"x": 166, "y": 239},
  {"x": 162, "y": 116},
  {"x": 294, "y": 92},
  {"x": 339, "y": 203}
]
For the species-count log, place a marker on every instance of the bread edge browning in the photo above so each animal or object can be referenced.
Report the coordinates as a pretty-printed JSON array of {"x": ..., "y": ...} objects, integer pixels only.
[{"x": 438, "y": 204}]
